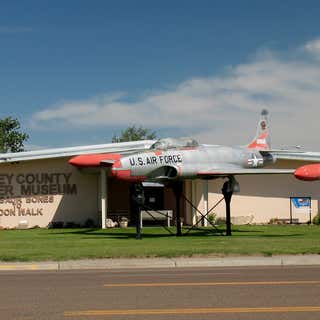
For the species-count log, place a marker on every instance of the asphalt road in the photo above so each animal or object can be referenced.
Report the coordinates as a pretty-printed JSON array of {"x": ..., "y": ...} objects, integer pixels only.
[{"x": 181, "y": 293}]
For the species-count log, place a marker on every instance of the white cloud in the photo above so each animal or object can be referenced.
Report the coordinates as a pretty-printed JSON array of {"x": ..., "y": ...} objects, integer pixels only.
[
  {"x": 217, "y": 109},
  {"x": 313, "y": 47}
]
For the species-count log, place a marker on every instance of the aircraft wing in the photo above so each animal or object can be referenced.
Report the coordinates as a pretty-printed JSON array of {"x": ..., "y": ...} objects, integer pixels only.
[
  {"x": 293, "y": 155},
  {"x": 121, "y": 147},
  {"x": 224, "y": 172}
]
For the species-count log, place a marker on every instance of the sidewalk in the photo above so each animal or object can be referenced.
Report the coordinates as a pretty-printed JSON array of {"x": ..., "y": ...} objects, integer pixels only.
[{"x": 230, "y": 261}]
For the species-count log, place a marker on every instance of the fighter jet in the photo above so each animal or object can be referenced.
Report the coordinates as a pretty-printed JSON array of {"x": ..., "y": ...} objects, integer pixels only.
[
  {"x": 170, "y": 159},
  {"x": 184, "y": 158}
]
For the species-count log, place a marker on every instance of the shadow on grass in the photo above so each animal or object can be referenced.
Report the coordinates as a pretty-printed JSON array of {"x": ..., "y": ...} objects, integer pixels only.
[
  {"x": 95, "y": 233},
  {"x": 130, "y": 233},
  {"x": 110, "y": 233},
  {"x": 255, "y": 234}
]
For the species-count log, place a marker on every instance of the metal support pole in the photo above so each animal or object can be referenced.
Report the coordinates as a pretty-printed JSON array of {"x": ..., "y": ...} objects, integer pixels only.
[
  {"x": 104, "y": 204},
  {"x": 193, "y": 200},
  {"x": 205, "y": 200},
  {"x": 138, "y": 198},
  {"x": 227, "y": 191},
  {"x": 290, "y": 210},
  {"x": 177, "y": 189},
  {"x": 138, "y": 224},
  {"x": 310, "y": 211},
  {"x": 228, "y": 214}
]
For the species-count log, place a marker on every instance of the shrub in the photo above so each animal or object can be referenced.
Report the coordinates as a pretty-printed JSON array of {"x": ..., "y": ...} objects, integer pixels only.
[
  {"x": 316, "y": 219},
  {"x": 212, "y": 218},
  {"x": 220, "y": 221},
  {"x": 274, "y": 221}
]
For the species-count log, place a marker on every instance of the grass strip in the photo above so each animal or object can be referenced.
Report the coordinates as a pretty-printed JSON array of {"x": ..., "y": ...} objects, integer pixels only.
[{"x": 65, "y": 244}]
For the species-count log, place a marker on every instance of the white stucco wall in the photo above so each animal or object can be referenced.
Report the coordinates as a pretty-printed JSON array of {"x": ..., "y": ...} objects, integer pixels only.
[
  {"x": 263, "y": 196},
  {"x": 58, "y": 192}
]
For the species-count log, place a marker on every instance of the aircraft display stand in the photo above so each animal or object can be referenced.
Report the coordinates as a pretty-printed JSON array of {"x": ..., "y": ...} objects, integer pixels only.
[
  {"x": 227, "y": 191},
  {"x": 177, "y": 189},
  {"x": 139, "y": 198},
  {"x": 204, "y": 216},
  {"x": 229, "y": 187}
]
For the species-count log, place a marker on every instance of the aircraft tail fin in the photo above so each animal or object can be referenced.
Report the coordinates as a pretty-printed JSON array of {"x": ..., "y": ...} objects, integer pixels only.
[{"x": 261, "y": 140}]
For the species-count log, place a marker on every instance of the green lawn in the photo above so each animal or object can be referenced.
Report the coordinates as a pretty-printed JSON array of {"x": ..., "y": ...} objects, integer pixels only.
[{"x": 64, "y": 244}]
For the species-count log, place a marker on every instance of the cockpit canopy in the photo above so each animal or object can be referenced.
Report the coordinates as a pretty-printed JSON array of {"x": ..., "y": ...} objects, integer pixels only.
[{"x": 174, "y": 143}]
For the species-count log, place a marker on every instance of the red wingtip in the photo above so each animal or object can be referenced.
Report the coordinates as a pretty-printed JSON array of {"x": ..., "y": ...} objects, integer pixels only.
[
  {"x": 93, "y": 160},
  {"x": 310, "y": 172}
]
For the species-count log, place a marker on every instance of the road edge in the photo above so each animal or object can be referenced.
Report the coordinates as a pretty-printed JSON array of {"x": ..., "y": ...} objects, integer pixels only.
[{"x": 179, "y": 262}]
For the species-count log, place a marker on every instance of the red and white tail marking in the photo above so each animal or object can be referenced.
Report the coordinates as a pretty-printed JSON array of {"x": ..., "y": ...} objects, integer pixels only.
[
  {"x": 261, "y": 140},
  {"x": 260, "y": 143}
]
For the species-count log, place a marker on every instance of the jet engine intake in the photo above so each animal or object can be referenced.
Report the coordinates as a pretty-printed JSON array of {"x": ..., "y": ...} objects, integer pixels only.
[
  {"x": 268, "y": 158},
  {"x": 165, "y": 172}
]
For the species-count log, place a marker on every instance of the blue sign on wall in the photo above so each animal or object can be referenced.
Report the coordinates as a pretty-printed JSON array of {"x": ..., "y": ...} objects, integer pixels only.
[{"x": 301, "y": 202}]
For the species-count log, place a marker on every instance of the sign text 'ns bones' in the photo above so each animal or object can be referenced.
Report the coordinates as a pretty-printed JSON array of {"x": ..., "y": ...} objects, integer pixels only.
[{"x": 28, "y": 184}]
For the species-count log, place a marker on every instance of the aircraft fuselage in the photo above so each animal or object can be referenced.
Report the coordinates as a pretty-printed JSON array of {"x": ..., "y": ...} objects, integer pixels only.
[{"x": 184, "y": 163}]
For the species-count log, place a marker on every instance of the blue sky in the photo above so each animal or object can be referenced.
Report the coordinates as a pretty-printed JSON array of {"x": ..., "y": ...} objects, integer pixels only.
[{"x": 77, "y": 72}]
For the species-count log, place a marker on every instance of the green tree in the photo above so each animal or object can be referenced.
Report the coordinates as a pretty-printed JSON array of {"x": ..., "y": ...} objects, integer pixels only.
[
  {"x": 11, "y": 138},
  {"x": 134, "y": 133}
]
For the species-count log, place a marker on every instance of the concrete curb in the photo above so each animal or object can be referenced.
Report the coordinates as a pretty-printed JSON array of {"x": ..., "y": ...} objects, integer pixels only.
[{"x": 102, "y": 264}]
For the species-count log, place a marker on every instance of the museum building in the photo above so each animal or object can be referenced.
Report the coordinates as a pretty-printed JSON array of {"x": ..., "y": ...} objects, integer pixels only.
[{"x": 41, "y": 188}]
